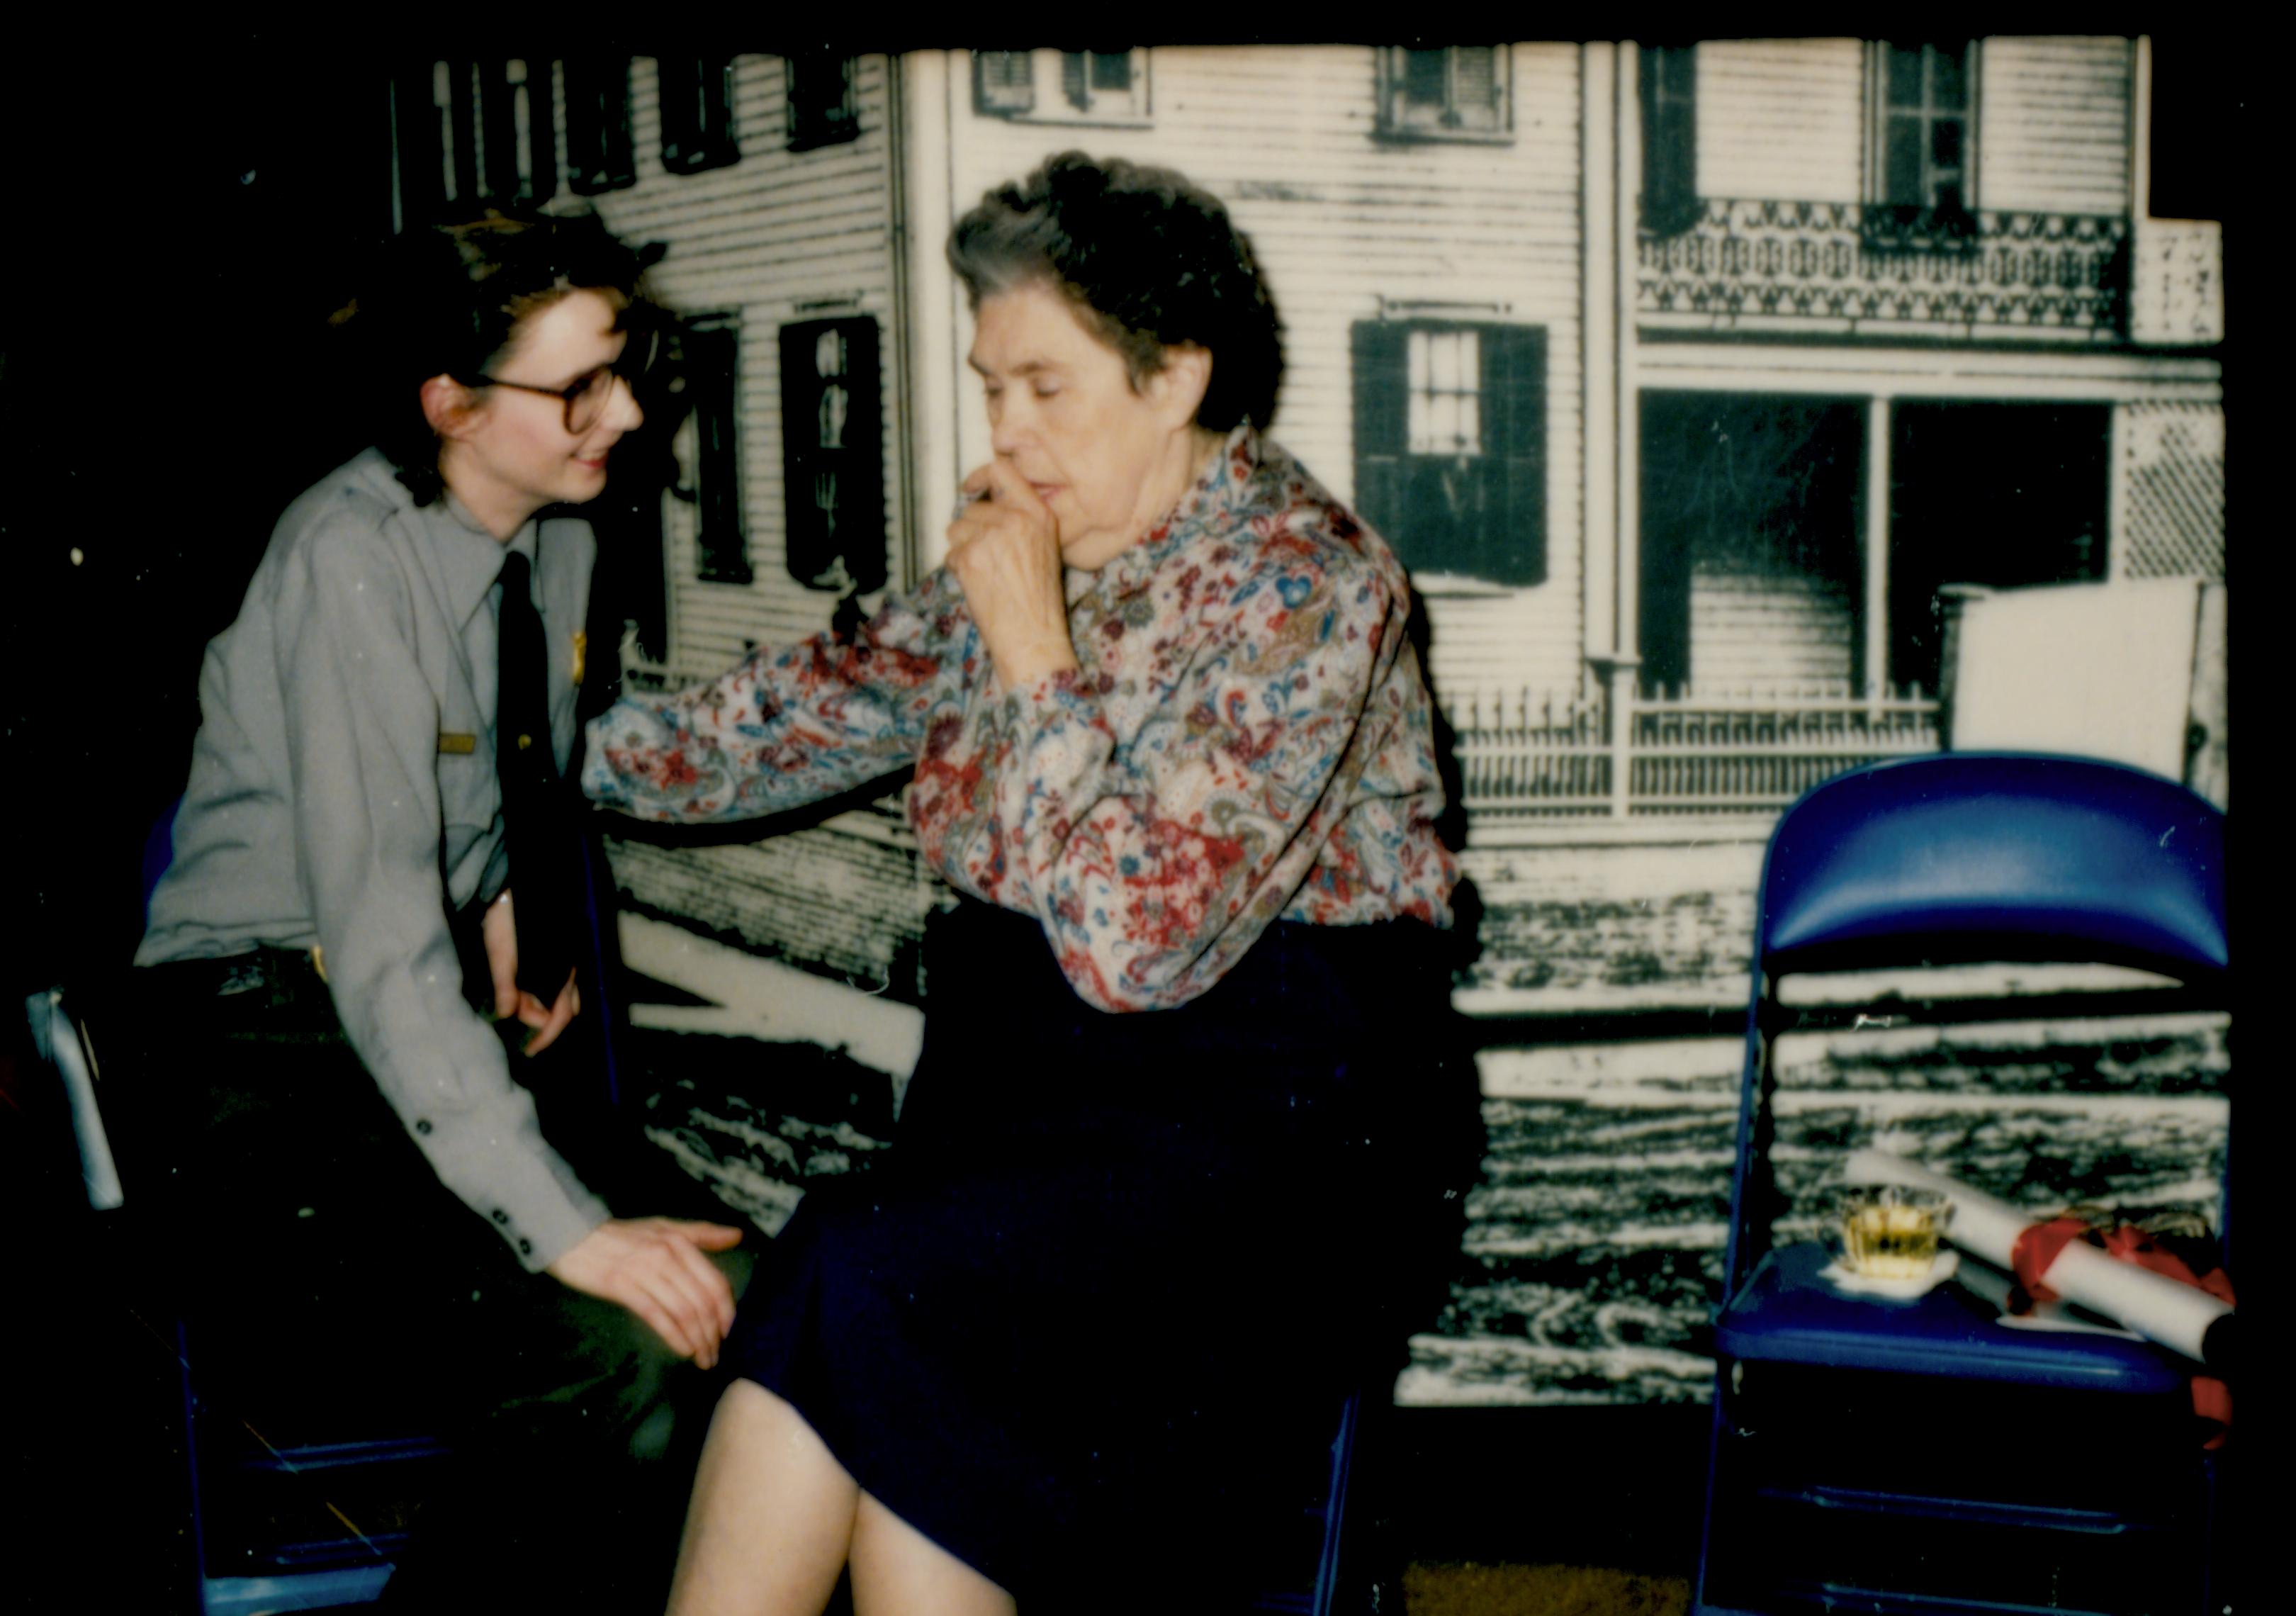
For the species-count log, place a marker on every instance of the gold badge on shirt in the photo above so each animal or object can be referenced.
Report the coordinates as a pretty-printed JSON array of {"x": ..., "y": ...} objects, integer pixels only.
[
  {"x": 456, "y": 743},
  {"x": 581, "y": 653}
]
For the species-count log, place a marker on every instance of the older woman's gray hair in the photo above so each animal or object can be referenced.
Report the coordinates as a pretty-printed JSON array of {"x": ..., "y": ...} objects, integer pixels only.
[{"x": 1150, "y": 261}]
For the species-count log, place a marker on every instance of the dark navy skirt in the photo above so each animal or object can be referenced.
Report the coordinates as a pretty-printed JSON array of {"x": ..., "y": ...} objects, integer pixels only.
[{"x": 1076, "y": 1319}]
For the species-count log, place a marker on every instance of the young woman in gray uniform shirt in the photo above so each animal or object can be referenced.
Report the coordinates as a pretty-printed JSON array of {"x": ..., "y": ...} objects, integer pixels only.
[{"x": 341, "y": 872}]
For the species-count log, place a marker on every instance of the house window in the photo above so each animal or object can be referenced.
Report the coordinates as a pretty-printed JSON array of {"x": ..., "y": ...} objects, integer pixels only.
[
  {"x": 1450, "y": 425},
  {"x": 832, "y": 454},
  {"x": 821, "y": 108},
  {"x": 710, "y": 355},
  {"x": 1002, "y": 83},
  {"x": 1924, "y": 125},
  {"x": 1456, "y": 91},
  {"x": 1062, "y": 86},
  {"x": 1669, "y": 95},
  {"x": 472, "y": 130},
  {"x": 599, "y": 151},
  {"x": 697, "y": 113}
]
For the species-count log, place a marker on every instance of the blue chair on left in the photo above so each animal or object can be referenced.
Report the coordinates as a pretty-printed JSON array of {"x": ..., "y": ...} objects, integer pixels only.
[
  {"x": 313, "y": 1524},
  {"x": 273, "y": 1527}
]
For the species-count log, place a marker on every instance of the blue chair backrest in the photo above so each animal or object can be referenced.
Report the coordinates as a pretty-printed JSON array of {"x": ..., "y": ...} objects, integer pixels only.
[{"x": 1969, "y": 856}]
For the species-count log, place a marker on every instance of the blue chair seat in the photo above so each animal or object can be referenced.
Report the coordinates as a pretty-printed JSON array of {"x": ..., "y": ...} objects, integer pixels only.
[{"x": 1787, "y": 1314}]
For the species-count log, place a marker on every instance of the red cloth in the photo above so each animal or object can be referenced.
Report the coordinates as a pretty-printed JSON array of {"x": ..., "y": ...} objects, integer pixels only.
[{"x": 2038, "y": 1247}]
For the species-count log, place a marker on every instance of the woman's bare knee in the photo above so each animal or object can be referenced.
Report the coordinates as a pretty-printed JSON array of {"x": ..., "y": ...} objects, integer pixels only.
[
  {"x": 899, "y": 1571},
  {"x": 772, "y": 1519}
]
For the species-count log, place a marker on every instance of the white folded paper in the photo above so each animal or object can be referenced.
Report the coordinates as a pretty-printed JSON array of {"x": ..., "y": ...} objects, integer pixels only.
[{"x": 2156, "y": 1307}]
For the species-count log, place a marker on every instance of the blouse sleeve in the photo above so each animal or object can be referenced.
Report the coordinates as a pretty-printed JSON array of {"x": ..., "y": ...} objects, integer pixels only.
[
  {"x": 785, "y": 727},
  {"x": 1155, "y": 862}
]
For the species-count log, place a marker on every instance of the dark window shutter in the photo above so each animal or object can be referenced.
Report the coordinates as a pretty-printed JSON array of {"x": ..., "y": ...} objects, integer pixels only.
[
  {"x": 697, "y": 113},
  {"x": 821, "y": 102},
  {"x": 1073, "y": 83},
  {"x": 834, "y": 495},
  {"x": 1380, "y": 422},
  {"x": 1670, "y": 81},
  {"x": 599, "y": 152},
  {"x": 1512, "y": 543},
  {"x": 712, "y": 363}
]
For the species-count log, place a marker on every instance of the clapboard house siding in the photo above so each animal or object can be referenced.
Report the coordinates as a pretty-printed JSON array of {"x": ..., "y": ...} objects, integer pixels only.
[
  {"x": 1748, "y": 631},
  {"x": 779, "y": 236},
  {"x": 2053, "y": 125},
  {"x": 1345, "y": 222},
  {"x": 1781, "y": 119}
]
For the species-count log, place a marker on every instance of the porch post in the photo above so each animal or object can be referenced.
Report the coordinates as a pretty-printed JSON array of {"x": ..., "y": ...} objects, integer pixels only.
[
  {"x": 1627, "y": 387},
  {"x": 1877, "y": 550},
  {"x": 1602, "y": 537},
  {"x": 1618, "y": 675}
]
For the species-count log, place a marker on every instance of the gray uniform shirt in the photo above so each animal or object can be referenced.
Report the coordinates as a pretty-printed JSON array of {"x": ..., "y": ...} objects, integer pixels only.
[{"x": 343, "y": 794}]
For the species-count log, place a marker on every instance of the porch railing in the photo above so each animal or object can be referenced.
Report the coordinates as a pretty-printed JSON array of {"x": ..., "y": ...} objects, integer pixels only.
[
  {"x": 1992, "y": 272},
  {"x": 1613, "y": 751}
]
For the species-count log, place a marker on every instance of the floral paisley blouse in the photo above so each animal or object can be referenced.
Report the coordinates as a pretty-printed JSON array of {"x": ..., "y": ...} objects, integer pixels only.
[{"x": 1248, "y": 739}]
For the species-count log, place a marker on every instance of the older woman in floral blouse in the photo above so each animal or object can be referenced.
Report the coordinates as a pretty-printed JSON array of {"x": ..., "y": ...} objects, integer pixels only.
[{"x": 1172, "y": 749}]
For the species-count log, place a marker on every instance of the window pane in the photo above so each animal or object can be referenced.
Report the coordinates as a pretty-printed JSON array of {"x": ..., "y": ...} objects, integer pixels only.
[
  {"x": 1903, "y": 73},
  {"x": 1945, "y": 143},
  {"x": 1423, "y": 78},
  {"x": 1112, "y": 69},
  {"x": 1477, "y": 84},
  {"x": 1677, "y": 71},
  {"x": 1901, "y": 161},
  {"x": 834, "y": 404},
  {"x": 1005, "y": 82},
  {"x": 1947, "y": 88},
  {"x": 1444, "y": 410},
  {"x": 829, "y": 354}
]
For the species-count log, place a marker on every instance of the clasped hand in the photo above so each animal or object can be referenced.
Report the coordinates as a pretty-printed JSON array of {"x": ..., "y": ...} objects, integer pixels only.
[
  {"x": 545, "y": 1021},
  {"x": 1004, "y": 550},
  {"x": 655, "y": 1267}
]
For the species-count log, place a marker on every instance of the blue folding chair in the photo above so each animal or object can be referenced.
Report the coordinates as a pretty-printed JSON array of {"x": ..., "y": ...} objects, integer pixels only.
[
  {"x": 1925, "y": 1456},
  {"x": 282, "y": 1526}
]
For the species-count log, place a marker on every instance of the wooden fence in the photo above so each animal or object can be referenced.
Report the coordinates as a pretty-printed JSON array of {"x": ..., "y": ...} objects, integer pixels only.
[{"x": 1613, "y": 751}]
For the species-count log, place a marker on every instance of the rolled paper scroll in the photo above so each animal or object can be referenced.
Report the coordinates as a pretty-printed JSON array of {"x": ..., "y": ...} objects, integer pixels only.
[{"x": 2179, "y": 1317}]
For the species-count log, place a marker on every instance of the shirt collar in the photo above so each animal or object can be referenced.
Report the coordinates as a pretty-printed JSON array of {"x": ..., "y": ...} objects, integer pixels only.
[
  {"x": 466, "y": 560},
  {"x": 1213, "y": 504}
]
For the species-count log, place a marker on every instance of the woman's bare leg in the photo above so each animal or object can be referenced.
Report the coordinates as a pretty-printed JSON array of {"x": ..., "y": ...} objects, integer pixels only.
[
  {"x": 899, "y": 1571},
  {"x": 772, "y": 1517}
]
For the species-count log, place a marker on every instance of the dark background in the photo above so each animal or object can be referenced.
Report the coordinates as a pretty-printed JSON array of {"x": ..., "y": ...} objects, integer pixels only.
[{"x": 196, "y": 211}]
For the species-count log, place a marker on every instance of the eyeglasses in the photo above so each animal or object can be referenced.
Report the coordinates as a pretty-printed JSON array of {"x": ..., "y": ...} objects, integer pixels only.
[{"x": 586, "y": 396}]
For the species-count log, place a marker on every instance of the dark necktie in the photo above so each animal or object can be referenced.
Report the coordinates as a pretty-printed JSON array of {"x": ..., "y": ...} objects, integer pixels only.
[{"x": 537, "y": 823}]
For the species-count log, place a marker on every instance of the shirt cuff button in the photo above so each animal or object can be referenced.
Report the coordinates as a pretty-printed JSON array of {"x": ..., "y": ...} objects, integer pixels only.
[
  {"x": 502, "y": 1216},
  {"x": 422, "y": 1126},
  {"x": 526, "y": 1248}
]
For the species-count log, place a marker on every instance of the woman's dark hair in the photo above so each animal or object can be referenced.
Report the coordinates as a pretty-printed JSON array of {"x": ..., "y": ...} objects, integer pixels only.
[
  {"x": 451, "y": 299},
  {"x": 1149, "y": 260}
]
